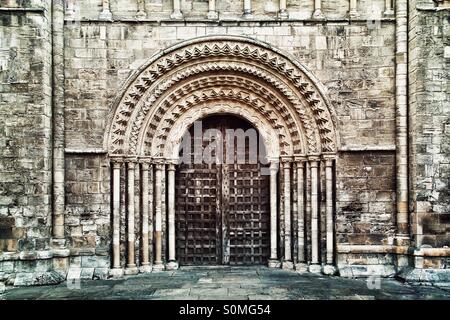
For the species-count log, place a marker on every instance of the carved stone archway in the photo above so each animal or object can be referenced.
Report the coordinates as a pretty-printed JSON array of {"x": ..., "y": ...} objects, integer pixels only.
[{"x": 210, "y": 75}]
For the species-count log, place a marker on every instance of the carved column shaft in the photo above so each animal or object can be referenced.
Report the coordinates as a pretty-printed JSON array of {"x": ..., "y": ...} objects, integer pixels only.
[
  {"x": 301, "y": 211},
  {"x": 353, "y": 9},
  {"x": 171, "y": 210},
  {"x": 158, "y": 214},
  {"x": 273, "y": 210},
  {"x": 176, "y": 14},
  {"x": 314, "y": 213},
  {"x": 131, "y": 206},
  {"x": 329, "y": 209},
  {"x": 247, "y": 7},
  {"x": 283, "y": 11},
  {"x": 389, "y": 10},
  {"x": 116, "y": 215},
  {"x": 145, "y": 214},
  {"x": 318, "y": 10},
  {"x": 287, "y": 211},
  {"x": 212, "y": 13},
  {"x": 106, "y": 12}
]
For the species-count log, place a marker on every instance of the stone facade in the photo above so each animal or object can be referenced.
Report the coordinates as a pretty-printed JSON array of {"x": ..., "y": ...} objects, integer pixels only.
[{"x": 63, "y": 86}]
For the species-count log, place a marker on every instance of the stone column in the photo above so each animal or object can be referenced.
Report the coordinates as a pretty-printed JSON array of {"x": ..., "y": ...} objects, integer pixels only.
[
  {"x": 131, "y": 259},
  {"x": 287, "y": 261},
  {"x": 247, "y": 8},
  {"x": 158, "y": 265},
  {"x": 116, "y": 267},
  {"x": 212, "y": 13},
  {"x": 176, "y": 14},
  {"x": 106, "y": 12},
  {"x": 283, "y": 14},
  {"x": 401, "y": 117},
  {"x": 318, "y": 14},
  {"x": 171, "y": 215},
  {"x": 401, "y": 83},
  {"x": 273, "y": 262},
  {"x": 70, "y": 8},
  {"x": 314, "y": 267},
  {"x": 145, "y": 261},
  {"x": 389, "y": 10},
  {"x": 329, "y": 268},
  {"x": 141, "y": 14},
  {"x": 58, "y": 241},
  {"x": 354, "y": 9},
  {"x": 301, "y": 265}
]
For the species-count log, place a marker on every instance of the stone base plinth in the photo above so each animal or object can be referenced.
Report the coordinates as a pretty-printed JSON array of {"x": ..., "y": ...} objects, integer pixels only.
[
  {"x": 158, "y": 267},
  {"x": 329, "y": 270},
  {"x": 116, "y": 272},
  {"x": 315, "y": 268},
  {"x": 274, "y": 264},
  {"x": 287, "y": 265},
  {"x": 145, "y": 269},
  {"x": 130, "y": 271},
  {"x": 301, "y": 267},
  {"x": 172, "y": 265}
]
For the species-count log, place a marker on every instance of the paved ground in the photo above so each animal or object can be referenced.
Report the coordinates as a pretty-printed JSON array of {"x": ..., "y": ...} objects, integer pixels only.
[{"x": 230, "y": 283}]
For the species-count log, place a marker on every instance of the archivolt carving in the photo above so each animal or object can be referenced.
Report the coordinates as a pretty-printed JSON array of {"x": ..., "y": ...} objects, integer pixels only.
[
  {"x": 237, "y": 54},
  {"x": 175, "y": 133},
  {"x": 254, "y": 106}
]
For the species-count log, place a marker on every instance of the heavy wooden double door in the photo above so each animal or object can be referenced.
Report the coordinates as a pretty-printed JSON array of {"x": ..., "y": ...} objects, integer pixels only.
[{"x": 222, "y": 208}]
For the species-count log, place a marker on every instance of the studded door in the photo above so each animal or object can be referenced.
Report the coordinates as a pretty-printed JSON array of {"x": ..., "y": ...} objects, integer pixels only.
[{"x": 222, "y": 209}]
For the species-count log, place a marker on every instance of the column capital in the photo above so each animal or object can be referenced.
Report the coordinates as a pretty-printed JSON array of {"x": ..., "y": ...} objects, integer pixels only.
[
  {"x": 274, "y": 166},
  {"x": 313, "y": 158},
  {"x": 300, "y": 158},
  {"x": 170, "y": 167},
  {"x": 145, "y": 166},
  {"x": 286, "y": 159},
  {"x": 131, "y": 165}
]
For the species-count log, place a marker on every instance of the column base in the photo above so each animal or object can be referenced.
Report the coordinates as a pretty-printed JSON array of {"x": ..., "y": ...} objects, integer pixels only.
[
  {"x": 213, "y": 15},
  {"x": 301, "y": 267},
  {"x": 105, "y": 15},
  {"x": 116, "y": 272},
  {"x": 354, "y": 14},
  {"x": 283, "y": 15},
  {"x": 131, "y": 270},
  {"x": 247, "y": 15},
  {"x": 59, "y": 248},
  {"x": 176, "y": 15},
  {"x": 329, "y": 270},
  {"x": 158, "y": 267},
  {"x": 141, "y": 15},
  {"x": 145, "y": 269},
  {"x": 389, "y": 13},
  {"x": 315, "y": 268},
  {"x": 287, "y": 265},
  {"x": 172, "y": 265},
  {"x": 274, "y": 264},
  {"x": 318, "y": 15}
]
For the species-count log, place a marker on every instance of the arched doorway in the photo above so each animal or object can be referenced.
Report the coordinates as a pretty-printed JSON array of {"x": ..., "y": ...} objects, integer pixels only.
[
  {"x": 220, "y": 75},
  {"x": 222, "y": 202}
]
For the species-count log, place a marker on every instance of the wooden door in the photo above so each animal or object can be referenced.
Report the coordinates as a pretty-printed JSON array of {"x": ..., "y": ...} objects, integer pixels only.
[{"x": 222, "y": 209}]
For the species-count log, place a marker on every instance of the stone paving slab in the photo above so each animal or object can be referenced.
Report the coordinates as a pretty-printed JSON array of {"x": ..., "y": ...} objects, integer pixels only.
[{"x": 230, "y": 284}]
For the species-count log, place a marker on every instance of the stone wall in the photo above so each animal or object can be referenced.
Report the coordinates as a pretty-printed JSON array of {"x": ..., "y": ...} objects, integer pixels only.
[
  {"x": 429, "y": 118},
  {"x": 25, "y": 139},
  {"x": 355, "y": 62}
]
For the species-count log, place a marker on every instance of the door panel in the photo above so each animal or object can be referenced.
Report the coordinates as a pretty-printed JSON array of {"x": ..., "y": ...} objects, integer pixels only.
[{"x": 222, "y": 210}]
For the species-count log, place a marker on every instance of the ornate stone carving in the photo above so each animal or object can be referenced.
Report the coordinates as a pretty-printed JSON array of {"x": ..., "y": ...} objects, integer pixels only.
[{"x": 274, "y": 70}]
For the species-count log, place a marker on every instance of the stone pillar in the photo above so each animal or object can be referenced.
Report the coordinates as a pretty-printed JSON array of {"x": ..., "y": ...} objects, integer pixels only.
[
  {"x": 314, "y": 267},
  {"x": 247, "y": 8},
  {"x": 318, "y": 14},
  {"x": 58, "y": 241},
  {"x": 141, "y": 14},
  {"x": 212, "y": 13},
  {"x": 354, "y": 9},
  {"x": 131, "y": 259},
  {"x": 401, "y": 117},
  {"x": 283, "y": 14},
  {"x": 287, "y": 261},
  {"x": 106, "y": 12},
  {"x": 158, "y": 265},
  {"x": 329, "y": 268},
  {"x": 171, "y": 215},
  {"x": 176, "y": 14},
  {"x": 301, "y": 208},
  {"x": 389, "y": 10},
  {"x": 116, "y": 267},
  {"x": 145, "y": 261},
  {"x": 70, "y": 8},
  {"x": 401, "y": 83},
  {"x": 273, "y": 262}
]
